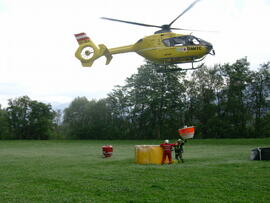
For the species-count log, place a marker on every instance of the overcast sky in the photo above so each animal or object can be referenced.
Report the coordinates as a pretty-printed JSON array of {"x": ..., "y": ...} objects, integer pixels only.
[{"x": 37, "y": 42}]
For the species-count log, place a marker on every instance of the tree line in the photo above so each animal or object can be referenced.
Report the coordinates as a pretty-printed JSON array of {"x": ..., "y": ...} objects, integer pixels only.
[
  {"x": 26, "y": 119},
  {"x": 224, "y": 101}
]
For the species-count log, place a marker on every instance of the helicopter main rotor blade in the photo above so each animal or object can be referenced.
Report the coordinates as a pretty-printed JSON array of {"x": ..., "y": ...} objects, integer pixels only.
[
  {"x": 194, "y": 30},
  {"x": 130, "y": 22},
  {"x": 190, "y": 6}
]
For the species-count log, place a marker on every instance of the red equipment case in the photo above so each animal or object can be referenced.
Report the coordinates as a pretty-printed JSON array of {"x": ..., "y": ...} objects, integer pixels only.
[{"x": 107, "y": 150}]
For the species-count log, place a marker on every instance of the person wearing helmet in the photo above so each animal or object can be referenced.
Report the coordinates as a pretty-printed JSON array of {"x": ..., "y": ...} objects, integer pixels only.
[
  {"x": 167, "y": 151},
  {"x": 178, "y": 149}
]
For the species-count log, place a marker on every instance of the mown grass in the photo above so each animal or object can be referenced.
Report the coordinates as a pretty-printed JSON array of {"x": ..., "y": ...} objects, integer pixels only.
[{"x": 74, "y": 171}]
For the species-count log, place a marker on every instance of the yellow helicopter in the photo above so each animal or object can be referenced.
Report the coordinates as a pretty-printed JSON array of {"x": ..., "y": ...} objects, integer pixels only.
[{"x": 163, "y": 47}]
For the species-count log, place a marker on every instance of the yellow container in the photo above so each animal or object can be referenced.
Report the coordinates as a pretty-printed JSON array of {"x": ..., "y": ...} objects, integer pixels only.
[{"x": 148, "y": 154}]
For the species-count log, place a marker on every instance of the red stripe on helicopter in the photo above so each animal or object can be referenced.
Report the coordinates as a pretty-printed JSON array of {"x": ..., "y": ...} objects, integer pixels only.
[
  {"x": 81, "y": 36},
  {"x": 82, "y": 33},
  {"x": 85, "y": 38}
]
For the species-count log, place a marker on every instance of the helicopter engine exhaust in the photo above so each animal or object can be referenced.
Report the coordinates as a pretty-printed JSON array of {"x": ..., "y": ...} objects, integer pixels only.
[{"x": 88, "y": 52}]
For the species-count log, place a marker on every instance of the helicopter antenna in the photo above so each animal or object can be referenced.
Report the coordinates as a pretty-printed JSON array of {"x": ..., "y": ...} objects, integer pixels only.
[{"x": 188, "y": 8}]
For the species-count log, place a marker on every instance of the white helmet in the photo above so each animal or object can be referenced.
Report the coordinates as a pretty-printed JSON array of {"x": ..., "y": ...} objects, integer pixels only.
[{"x": 166, "y": 141}]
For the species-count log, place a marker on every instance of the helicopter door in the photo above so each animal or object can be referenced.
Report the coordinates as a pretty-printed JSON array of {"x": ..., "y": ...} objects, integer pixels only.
[{"x": 174, "y": 42}]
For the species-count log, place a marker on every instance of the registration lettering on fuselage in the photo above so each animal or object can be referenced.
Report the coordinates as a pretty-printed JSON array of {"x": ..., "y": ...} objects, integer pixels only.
[
  {"x": 184, "y": 49},
  {"x": 194, "y": 48}
]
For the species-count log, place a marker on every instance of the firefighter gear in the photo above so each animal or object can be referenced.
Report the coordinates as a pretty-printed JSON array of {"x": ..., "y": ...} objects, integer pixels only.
[
  {"x": 178, "y": 148},
  {"x": 167, "y": 151}
]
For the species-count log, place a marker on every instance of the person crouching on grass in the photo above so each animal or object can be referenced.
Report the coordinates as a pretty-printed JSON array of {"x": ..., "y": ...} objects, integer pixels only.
[
  {"x": 167, "y": 151},
  {"x": 178, "y": 149}
]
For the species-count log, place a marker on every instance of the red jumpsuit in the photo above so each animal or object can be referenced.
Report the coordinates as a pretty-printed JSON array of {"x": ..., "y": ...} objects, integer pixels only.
[{"x": 167, "y": 152}]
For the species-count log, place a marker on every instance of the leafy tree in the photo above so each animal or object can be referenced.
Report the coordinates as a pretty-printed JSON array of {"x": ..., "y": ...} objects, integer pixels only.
[
  {"x": 222, "y": 101},
  {"x": 100, "y": 124},
  {"x": 259, "y": 92},
  {"x": 85, "y": 119},
  {"x": 75, "y": 119},
  {"x": 151, "y": 101},
  {"x": 30, "y": 119},
  {"x": 58, "y": 128},
  {"x": 203, "y": 90},
  {"x": 4, "y": 125},
  {"x": 235, "y": 106},
  {"x": 119, "y": 110}
]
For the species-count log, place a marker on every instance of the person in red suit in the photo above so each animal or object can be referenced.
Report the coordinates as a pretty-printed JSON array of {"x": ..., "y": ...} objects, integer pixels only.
[{"x": 167, "y": 151}]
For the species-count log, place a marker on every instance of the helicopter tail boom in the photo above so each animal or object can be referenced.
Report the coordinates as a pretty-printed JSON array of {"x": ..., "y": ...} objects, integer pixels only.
[
  {"x": 88, "y": 52},
  {"x": 123, "y": 49}
]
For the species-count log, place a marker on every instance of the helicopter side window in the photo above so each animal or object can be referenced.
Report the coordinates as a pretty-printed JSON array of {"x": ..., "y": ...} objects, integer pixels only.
[
  {"x": 167, "y": 42},
  {"x": 175, "y": 41},
  {"x": 179, "y": 41}
]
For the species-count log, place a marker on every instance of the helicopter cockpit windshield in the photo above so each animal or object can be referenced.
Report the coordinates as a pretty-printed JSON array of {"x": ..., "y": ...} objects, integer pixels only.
[{"x": 181, "y": 41}]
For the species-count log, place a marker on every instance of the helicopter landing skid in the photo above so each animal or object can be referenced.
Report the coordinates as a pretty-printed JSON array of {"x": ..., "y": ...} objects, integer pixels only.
[{"x": 166, "y": 70}]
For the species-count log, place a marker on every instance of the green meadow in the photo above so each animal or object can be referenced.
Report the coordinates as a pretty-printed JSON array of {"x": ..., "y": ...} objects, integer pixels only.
[{"x": 215, "y": 170}]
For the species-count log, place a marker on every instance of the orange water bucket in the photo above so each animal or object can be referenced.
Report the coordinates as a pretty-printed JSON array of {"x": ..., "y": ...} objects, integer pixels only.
[{"x": 187, "y": 132}]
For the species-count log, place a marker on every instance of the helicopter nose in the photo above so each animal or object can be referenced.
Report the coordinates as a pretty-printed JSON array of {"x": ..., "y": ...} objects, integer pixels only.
[{"x": 209, "y": 48}]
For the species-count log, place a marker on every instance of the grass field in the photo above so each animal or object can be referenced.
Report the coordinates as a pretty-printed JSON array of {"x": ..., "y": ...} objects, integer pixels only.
[{"x": 74, "y": 171}]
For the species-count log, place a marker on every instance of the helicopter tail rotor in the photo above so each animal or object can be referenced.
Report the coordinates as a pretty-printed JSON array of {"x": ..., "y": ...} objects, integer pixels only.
[{"x": 88, "y": 52}]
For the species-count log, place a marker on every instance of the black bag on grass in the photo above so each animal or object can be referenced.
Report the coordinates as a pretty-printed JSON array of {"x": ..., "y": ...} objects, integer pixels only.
[{"x": 260, "y": 154}]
